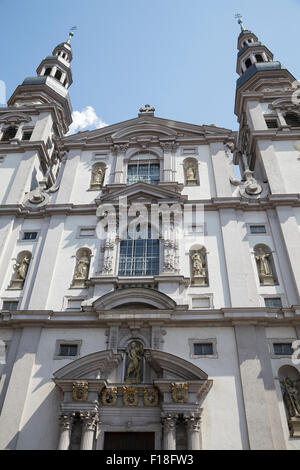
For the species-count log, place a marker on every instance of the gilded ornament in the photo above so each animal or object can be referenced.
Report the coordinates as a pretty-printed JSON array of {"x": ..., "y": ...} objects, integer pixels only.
[
  {"x": 130, "y": 396},
  {"x": 150, "y": 397},
  {"x": 180, "y": 392},
  {"x": 109, "y": 396},
  {"x": 80, "y": 391}
]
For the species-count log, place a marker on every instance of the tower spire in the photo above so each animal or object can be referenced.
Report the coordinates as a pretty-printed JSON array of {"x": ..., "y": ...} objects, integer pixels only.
[
  {"x": 240, "y": 21},
  {"x": 71, "y": 34}
]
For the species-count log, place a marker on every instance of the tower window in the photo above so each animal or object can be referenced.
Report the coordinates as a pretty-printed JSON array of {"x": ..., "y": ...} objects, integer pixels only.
[
  {"x": 292, "y": 119},
  {"x": 58, "y": 74},
  {"x": 26, "y": 135},
  {"x": 259, "y": 58},
  {"x": 248, "y": 63},
  {"x": 48, "y": 71},
  {"x": 272, "y": 123},
  {"x": 9, "y": 133}
]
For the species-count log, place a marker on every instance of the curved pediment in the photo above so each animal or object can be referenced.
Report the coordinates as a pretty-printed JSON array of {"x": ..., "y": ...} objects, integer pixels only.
[
  {"x": 151, "y": 128},
  {"x": 100, "y": 365},
  {"x": 14, "y": 118},
  {"x": 134, "y": 295}
]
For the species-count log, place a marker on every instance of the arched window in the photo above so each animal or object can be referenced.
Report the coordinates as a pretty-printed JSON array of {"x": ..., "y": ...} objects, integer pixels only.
[
  {"x": 198, "y": 262},
  {"x": 9, "y": 133},
  {"x": 143, "y": 167},
  {"x": 139, "y": 257},
  {"x": 47, "y": 71},
  {"x": 292, "y": 119},
  {"x": 265, "y": 265},
  {"x": 259, "y": 58}
]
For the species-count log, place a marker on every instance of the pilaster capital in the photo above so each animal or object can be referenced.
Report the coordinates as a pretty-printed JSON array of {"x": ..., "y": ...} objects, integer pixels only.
[
  {"x": 119, "y": 148},
  {"x": 193, "y": 422},
  {"x": 169, "y": 422},
  {"x": 66, "y": 420},
  {"x": 89, "y": 420},
  {"x": 169, "y": 146}
]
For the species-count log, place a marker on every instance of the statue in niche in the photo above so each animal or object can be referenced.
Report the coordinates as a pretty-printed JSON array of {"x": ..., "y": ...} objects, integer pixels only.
[
  {"x": 291, "y": 398},
  {"x": 199, "y": 271},
  {"x": 97, "y": 177},
  {"x": 190, "y": 175},
  {"x": 21, "y": 269},
  {"x": 82, "y": 269},
  {"x": 264, "y": 267},
  {"x": 133, "y": 371}
]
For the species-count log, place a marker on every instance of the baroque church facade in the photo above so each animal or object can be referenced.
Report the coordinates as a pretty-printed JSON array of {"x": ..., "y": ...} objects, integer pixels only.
[{"x": 150, "y": 298}]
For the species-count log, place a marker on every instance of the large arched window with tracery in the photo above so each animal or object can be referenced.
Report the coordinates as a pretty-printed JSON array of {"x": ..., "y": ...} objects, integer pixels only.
[
  {"x": 143, "y": 167},
  {"x": 139, "y": 256}
]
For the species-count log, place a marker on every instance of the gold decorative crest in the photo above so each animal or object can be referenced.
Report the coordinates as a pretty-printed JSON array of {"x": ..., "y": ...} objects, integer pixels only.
[
  {"x": 130, "y": 396},
  {"x": 80, "y": 391},
  {"x": 180, "y": 392},
  {"x": 150, "y": 397},
  {"x": 109, "y": 396}
]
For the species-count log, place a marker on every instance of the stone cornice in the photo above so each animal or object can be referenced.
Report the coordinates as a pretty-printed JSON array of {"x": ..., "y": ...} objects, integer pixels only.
[
  {"x": 227, "y": 317},
  {"x": 22, "y": 146},
  {"x": 239, "y": 203}
]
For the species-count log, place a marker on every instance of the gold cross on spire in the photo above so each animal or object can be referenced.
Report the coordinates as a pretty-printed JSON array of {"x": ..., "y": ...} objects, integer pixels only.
[{"x": 147, "y": 109}]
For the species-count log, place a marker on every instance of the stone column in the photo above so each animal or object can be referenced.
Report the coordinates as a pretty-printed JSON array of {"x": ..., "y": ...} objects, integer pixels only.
[
  {"x": 169, "y": 428},
  {"x": 120, "y": 151},
  {"x": 193, "y": 432},
  {"x": 66, "y": 423},
  {"x": 89, "y": 423}
]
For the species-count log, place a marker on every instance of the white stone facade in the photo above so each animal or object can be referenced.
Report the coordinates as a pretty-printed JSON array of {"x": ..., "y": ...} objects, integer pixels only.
[{"x": 50, "y": 204}]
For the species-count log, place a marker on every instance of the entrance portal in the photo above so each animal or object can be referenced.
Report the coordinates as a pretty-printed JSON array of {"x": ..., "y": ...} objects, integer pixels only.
[{"x": 129, "y": 441}]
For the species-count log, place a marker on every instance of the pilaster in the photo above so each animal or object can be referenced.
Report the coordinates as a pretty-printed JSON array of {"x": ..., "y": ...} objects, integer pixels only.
[
  {"x": 291, "y": 237},
  {"x": 259, "y": 395},
  {"x": 45, "y": 271},
  {"x": 220, "y": 167},
  {"x": 17, "y": 392}
]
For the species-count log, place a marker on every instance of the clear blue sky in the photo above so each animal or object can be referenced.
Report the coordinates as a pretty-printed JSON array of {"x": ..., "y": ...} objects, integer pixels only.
[{"x": 179, "y": 56}]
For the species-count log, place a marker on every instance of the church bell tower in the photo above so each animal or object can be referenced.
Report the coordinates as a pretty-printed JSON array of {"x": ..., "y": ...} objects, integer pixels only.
[{"x": 38, "y": 112}]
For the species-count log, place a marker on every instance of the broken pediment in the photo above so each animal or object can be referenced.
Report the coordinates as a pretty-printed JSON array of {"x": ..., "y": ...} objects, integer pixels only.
[{"x": 141, "y": 192}]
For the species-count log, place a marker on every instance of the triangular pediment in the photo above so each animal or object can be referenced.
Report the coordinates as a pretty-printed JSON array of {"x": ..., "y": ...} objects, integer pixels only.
[
  {"x": 146, "y": 128},
  {"x": 141, "y": 192}
]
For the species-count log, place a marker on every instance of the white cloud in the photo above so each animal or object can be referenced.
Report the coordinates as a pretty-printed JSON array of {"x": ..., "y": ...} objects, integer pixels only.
[{"x": 85, "y": 120}]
